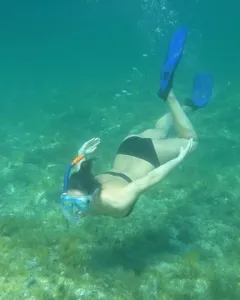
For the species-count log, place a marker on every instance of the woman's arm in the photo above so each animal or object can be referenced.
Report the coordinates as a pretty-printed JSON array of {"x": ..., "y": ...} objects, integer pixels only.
[
  {"x": 153, "y": 177},
  {"x": 137, "y": 187}
]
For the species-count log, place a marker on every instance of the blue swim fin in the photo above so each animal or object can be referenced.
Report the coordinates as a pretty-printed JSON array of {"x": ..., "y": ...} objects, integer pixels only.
[
  {"x": 172, "y": 60},
  {"x": 202, "y": 89}
]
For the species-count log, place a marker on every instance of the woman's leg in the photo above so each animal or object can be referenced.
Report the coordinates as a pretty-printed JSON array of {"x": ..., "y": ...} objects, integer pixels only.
[
  {"x": 163, "y": 126},
  {"x": 168, "y": 149},
  {"x": 181, "y": 122}
]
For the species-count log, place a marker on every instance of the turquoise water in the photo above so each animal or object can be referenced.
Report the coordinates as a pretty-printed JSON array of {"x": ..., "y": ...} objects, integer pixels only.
[{"x": 62, "y": 64}]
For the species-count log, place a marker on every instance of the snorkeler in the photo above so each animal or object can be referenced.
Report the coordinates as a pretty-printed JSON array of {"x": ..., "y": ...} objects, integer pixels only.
[{"x": 143, "y": 159}]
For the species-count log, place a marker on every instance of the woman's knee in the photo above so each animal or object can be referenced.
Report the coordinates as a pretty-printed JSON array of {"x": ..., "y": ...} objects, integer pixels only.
[{"x": 189, "y": 134}]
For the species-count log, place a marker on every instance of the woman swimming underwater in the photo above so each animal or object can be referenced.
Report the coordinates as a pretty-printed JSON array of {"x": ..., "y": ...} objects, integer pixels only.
[{"x": 142, "y": 160}]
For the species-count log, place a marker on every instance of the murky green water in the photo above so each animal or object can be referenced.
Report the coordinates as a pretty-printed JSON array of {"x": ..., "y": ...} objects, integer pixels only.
[{"x": 62, "y": 65}]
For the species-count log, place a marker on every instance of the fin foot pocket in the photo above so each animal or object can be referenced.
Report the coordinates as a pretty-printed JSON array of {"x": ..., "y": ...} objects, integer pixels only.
[
  {"x": 172, "y": 60},
  {"x": 201, "y": 91}
]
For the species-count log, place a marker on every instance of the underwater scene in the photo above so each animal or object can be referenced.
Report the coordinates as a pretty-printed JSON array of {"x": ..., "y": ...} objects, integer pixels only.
[{"x": 81, "y": 69}]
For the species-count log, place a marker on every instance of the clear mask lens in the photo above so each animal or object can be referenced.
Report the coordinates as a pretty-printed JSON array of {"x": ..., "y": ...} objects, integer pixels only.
[{"x": 74, "y": 208}]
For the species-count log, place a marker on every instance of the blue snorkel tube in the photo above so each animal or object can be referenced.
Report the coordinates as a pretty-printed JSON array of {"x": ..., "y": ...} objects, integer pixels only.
[
  {"x": 66, "y": 178},
  {"x": 68, "y": 171}
]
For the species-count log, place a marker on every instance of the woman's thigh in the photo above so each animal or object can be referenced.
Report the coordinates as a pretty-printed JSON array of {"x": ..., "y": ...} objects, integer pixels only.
[{"x": 168, "y": 149}]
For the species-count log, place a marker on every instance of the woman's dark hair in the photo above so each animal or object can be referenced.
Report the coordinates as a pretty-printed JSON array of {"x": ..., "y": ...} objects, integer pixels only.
[{"x": 84, "y": 179}]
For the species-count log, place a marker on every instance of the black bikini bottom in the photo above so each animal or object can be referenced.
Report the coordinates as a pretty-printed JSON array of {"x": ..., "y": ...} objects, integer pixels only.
[
  {"x": 141, "y": 148},
  {"x": 137, "y": 147}
]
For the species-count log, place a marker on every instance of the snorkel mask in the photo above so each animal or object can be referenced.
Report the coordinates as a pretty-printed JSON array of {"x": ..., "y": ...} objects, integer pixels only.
[{"x": 73, "y": 207}]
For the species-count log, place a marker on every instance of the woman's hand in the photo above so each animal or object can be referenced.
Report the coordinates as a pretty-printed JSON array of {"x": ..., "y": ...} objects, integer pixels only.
[
  {"x": 90, "y": 146},
  {"x": 184, "y": 151}
]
